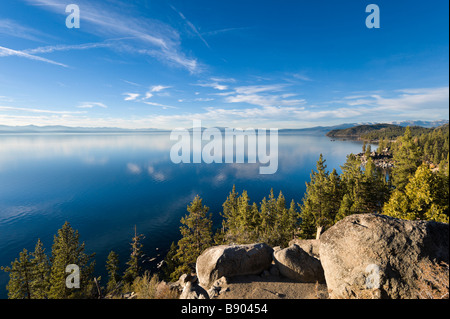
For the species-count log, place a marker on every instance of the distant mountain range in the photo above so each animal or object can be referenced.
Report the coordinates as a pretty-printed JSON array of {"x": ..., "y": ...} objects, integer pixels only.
[
  {"x": 374, "y": 132},
  {"x": 317, "y": 130},
  {"x": 427, "y": 124},
  {"x": 67, "y": 129}
]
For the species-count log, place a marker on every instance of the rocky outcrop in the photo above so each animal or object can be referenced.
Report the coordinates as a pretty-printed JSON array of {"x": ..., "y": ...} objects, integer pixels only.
[
  {"x": 296, "y": 264},
  {"x": 218, "y": 261},
  {"x": 376, "y": 256},
  {"x": 193, "y": 291}
]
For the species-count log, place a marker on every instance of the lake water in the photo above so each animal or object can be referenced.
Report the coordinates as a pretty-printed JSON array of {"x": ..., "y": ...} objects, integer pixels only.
[{"x": 104, "y": 184}]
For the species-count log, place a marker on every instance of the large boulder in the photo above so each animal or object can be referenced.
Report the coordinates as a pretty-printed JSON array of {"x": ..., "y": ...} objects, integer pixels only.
[
  {"x": 311, "y": 246},
  {"x": 296, "y": 264},
  {"x": 376, "y": 256},
  {"x": 234, "y": 260}
]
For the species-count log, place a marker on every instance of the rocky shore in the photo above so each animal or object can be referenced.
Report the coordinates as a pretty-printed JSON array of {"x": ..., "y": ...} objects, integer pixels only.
[
  {"x": 383, "y": 160},
  {"x": 365, "y": 256}
]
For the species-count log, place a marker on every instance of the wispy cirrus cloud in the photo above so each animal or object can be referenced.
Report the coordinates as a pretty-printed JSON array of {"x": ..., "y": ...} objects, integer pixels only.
[
  {"x": 159, "y": 88},
  {"x": 190, "y": 25},
  {"x": 90, "y": 105},
  {"x": 214, "y": 85},
  {"x": 5, "y": 52},
  {"x": 11, "y": 28},
  {"x": 263, "y": 95},
  {"x": 65, "y": 47},
  {"x": 165, "y": 107},
  {"x": 35, "y": 110},
  {"x": 145, "y": 36},
  {"x": 155, "y": 89},
  {"x": 400, "y": 101}
]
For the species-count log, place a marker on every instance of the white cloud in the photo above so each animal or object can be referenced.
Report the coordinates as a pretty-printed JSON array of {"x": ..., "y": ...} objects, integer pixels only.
[
  {"x": 263, "y": 95},
  {"x": 165, "y": 107},
  {"x": 203, "y": 99},
  {"x": 158, "y": 88},
  {"x": 148, "y": 95},
  {"x": 191, "y": 25},
  {"x": 4, "y": 52},
  {"x": 34, "y": 110},
  {"x": 11, "y": 28},
  {"x": 90, "y": 105},
  {"x": 423, "y": 104},
  {"x": 63, "y": 47},
  {"x": 261, "y": 100},
  {"x": 302, "y": 77},
  {"x": 217, "y": 79},
  {"x": 214, "y": 85},
  {"x": 131, "y": 96},
  {"x": 419, "y": 101},
  {"x": 146, "y": 36},
  {"x": 252, "y": 89}
]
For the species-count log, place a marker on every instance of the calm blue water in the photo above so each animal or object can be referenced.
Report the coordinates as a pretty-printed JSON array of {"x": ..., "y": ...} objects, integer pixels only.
[{"x": 105, "y": 184}]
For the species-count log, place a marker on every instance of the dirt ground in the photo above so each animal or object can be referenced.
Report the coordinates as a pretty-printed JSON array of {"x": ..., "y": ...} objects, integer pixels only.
[{"x": 271, "y": 287}]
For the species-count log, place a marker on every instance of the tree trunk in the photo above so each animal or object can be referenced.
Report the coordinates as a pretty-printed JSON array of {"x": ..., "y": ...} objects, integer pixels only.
[{"x": 319, "y": 232}]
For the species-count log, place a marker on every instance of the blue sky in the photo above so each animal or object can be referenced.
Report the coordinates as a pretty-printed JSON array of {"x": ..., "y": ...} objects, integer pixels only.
[{"x": 246, "y": 63}]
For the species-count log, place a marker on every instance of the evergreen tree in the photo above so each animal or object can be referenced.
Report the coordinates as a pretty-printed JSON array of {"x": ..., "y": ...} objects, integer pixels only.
[
  {"x": 134, "y": 264},
  {"x": 20, "y": 277},
  {"x": 382, "y": 144},
  {"x": 287, "y": 225},
  {"x": 230, "y": 218},
  {"x": 67, "y": 250},
  {"x": 112, "y": 266},
  {"x": 368, "y": 151},
  {"x": 196, "y": 236},
  {"x": 245, "y": 227},
  {"x": 407, "y": 160},
  {"x": 425, "y": 198},
  {"x": 170, "y": 263},
  {"x": 347, "y": 207},
  {"x": 321, "y": 202},
  {"x": 40, "y": 284}
]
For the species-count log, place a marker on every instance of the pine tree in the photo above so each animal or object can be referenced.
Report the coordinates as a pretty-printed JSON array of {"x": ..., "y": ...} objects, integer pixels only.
[
  {"x": 245, "y": 230},
  {"x": 20, "y": 277},
  {"x": 368, "y": 151},
  {"x": 134, "y": 264},
  {"x": 170, "y": 263},
  {"x": 196, "y": 236},
  {"x": 230, "y": 219},
  {"x": 346, "y": 208},
  {"x": 112, "y": 266},
  {"x": 286, "y": 224},
  {"x": 407, "y": 160},
  {"x": 425, "y": 198},
  {"x": 321, "y": 202},
  {"x": 40, "y": 284},
  {"x": 67, "y": 250}
]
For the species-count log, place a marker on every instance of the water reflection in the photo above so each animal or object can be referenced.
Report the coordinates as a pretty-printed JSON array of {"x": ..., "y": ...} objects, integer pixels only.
[{"x": 105, "y": 184}]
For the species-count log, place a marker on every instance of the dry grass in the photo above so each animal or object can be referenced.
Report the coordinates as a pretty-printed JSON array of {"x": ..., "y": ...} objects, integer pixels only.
[
  {"x": 433, "y": 280},
  {"x": 149, "y": 287}
]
